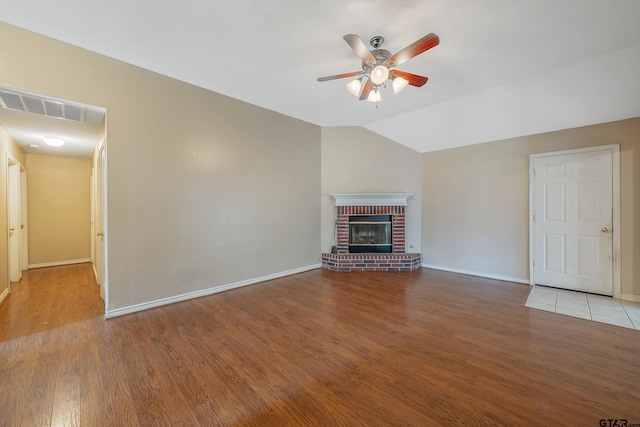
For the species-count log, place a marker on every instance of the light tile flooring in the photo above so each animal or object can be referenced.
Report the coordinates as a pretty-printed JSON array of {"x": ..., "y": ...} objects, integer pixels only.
[{"x": 586, "y": 306}]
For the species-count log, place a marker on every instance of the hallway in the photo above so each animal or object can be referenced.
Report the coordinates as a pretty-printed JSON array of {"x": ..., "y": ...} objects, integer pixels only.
[{"x": 48, "y": 298}]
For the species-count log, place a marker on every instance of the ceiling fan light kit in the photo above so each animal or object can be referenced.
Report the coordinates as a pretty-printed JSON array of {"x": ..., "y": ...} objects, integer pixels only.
[
  {"x": 354, "y": 86},
  {"x": 374, "y": 96},
  {"x": 379, "y": 75},
  {"x": 378, "y": 64},
  {"x": 399, "y": 84}
]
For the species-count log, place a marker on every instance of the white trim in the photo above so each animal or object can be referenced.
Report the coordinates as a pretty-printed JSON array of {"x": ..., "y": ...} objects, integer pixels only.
[
  {"x": 532, "y": 231},
  {"x": 617, "y": 284},
  {"x": 629, "y": 297},
  {"x": 477, "y": 273},
  {"x": 58, "y": 263},
  {"x": 24, "y": 221},
  {"x": 197, "y": 294},
  {"x": 4, "y": 295},
  {"x": 105, "y": 213},
  {"x": 386, "y": 199},
  {"x": 615, "y": 149},
  {"x": 12, "y": 161},
  {"x": 576, "y": 151}
]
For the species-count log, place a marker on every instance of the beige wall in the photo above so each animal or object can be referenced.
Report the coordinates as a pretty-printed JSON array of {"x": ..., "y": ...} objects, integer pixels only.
[
  {"x": 59, "y": 213},
  {"x": 7, "y": 146},
  {"x": 203, "y": 190},
  {"x": 356, "y": 160},
  {"x": 475, "y": 203}
]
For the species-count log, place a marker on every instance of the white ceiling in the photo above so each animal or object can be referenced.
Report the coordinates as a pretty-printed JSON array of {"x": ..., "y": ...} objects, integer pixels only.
[{"x": 504, "y": 68}]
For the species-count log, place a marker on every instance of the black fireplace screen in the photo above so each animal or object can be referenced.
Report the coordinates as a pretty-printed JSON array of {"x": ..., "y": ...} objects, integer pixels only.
[{"x": 370, "y": 233}]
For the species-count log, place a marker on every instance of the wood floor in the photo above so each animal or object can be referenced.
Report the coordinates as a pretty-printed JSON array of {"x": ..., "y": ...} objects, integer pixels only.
[
  {"x": 423, "y": 348},
  {"x": 48, "y": 298}
]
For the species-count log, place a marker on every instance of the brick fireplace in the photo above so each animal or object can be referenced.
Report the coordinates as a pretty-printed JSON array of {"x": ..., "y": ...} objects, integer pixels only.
[{"x": 352, "y": 210}]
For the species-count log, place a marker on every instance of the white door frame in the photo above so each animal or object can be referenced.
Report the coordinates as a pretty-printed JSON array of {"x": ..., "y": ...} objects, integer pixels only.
[
  {"x": 93, "y": 219},
  {"x": 13, "y": 204},
  {"x": 615, "y": 151},
  {"x": 24, "y": 224},
  {"x": 100, "y": 221}
]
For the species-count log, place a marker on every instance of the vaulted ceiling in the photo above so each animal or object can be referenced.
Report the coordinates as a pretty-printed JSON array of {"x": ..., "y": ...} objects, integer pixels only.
[{"x": 503, "y": 68}]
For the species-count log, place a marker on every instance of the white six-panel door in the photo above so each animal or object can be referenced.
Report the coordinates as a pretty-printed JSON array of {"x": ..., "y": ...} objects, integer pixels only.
[{"x": 573, "y": 221}]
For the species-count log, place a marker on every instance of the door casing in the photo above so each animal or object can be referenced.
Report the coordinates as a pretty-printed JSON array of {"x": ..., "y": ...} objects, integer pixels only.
[
  {"x": 13, "y": 218},
  {"x": 100, "y": 221},
  {"x": 24, "y": 226},
  {"x": 615, "y": 151}
]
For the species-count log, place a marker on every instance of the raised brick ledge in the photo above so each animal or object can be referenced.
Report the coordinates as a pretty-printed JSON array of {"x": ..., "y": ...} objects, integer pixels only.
[{"x": 371, "y": 262}]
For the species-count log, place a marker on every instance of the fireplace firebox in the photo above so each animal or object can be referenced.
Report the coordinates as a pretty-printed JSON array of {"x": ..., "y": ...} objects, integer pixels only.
[{"x": 370, "y": 234}]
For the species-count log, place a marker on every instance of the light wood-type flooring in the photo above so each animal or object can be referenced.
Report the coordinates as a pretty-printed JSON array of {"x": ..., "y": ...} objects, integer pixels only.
[{"x": 422, "y": 348}]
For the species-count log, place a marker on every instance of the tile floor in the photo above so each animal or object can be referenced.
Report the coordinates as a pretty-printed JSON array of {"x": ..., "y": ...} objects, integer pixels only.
[{"x": 586, "y": 306}]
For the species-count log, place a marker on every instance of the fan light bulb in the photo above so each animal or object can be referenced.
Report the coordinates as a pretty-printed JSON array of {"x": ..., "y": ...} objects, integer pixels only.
[
  {"x": 379, "y": 75},
  {"x": 374, "y": 96},
  {"x": 399, "y": 84},
  {"x": 354, "y": 87}
]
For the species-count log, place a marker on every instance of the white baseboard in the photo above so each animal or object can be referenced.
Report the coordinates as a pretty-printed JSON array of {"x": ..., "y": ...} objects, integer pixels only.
[
  {"x": 59, "y": 263},
  {"x": 197, "y": 294},
  {"x": 4, "y": 295},
  {"x": 630, "y": 297},
  {"x": 476, "y": 273}
]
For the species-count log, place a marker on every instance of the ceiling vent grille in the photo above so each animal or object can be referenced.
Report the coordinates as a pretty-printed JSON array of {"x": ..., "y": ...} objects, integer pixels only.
[{"x": 42, "y": 106}]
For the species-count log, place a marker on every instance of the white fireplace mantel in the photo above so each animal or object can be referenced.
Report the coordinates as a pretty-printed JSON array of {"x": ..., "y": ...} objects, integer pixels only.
[{"x": 385, "y": 199}]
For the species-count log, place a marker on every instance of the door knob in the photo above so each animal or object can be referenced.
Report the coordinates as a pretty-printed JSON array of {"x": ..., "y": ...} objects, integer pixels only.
[
  {"x": 101, "y": 234},
  {"x": 12, "y": 229},
  {"x": 605, "y": 229}
]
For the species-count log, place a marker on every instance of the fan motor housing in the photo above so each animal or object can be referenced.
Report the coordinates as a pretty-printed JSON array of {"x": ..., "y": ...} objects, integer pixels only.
[{"x": 381, "y": 55}]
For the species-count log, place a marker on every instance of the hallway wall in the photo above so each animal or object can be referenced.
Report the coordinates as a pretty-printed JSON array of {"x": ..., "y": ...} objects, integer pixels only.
[{"x": 59, "y": 200}]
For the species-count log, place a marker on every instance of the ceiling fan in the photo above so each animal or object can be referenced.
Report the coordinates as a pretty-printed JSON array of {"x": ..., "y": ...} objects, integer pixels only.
[{"x": 378, "y": 64}]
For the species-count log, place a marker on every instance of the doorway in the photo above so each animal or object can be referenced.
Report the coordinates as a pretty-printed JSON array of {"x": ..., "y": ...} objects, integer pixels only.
[
  {"x": 574, "y": 219},
  {"x": 31, "y": 121},
  {"x": 13, "y": 219}
]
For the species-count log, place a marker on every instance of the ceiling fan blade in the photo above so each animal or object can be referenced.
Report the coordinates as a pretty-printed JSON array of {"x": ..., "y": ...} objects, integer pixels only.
[
  {"x": 414, "y": 49},
  {"x": 340, "y": 76},
  {"x": 365, "y": 91},
  {"x": 413, "y": 79},
  {"x": 359, "y": 48}
]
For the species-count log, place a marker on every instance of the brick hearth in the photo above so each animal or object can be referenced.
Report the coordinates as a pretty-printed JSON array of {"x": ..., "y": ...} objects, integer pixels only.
[{"x": 371, "y": 262}]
